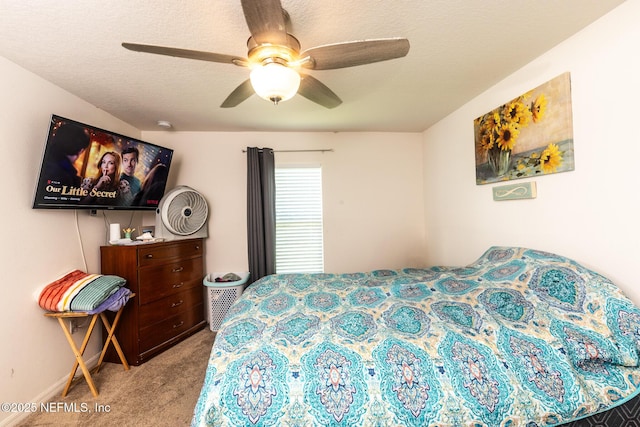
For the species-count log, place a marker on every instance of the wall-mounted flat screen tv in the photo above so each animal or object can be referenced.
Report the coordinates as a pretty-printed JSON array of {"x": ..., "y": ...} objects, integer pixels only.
[{"x": 85, "y": 167}]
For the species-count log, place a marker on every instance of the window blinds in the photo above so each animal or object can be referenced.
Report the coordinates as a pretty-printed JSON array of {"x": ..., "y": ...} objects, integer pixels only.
[{"x": 299, "y": 246}]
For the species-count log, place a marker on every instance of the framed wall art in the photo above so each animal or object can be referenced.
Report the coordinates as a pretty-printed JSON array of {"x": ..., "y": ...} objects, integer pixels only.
[{"x": 531, "y": 135}]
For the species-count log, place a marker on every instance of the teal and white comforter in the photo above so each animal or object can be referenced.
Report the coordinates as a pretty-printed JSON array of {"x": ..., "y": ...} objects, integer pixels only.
[{"x": 518, "y": 338}]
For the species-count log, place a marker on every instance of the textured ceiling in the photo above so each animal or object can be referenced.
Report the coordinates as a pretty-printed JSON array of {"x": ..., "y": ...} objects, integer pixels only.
[{"x": 459, "y": 48}]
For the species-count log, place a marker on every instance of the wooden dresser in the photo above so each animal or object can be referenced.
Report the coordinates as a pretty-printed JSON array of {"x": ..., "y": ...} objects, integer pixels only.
[{"x": 169, "y": 303}]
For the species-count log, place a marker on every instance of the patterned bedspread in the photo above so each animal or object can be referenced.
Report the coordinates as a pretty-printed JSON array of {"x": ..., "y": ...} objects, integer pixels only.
[{"x": 518, "y": 338}]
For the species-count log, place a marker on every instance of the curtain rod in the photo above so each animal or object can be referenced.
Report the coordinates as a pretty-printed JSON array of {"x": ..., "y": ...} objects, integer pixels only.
[{"x": 319, "y": 150}]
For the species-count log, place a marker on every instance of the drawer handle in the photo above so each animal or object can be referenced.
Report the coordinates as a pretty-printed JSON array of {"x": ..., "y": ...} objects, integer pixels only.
[
  {"x": 175, "y": 304},
  {"x": 178, "y": 285},
  {"x": 149, "y": 256},
  {"x": 197, "y": 247},
  {"x": 177, "y": 325},
  {"x": 177, "y": 269}
]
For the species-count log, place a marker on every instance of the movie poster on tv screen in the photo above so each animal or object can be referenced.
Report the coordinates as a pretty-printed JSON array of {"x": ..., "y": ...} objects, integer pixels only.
[{"x": 88, "y": 167}]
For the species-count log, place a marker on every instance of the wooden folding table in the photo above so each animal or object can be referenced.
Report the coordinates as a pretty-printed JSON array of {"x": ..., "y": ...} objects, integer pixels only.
[{"x": 79, "y": 352}]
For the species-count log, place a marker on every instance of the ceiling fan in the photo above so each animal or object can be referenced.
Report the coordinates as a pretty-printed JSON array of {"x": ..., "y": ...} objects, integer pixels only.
[{"x": 276, "y": 61}]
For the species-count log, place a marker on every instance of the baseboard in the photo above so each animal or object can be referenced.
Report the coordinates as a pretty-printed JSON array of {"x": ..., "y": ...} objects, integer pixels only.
[{"x": 48, "y": 395}]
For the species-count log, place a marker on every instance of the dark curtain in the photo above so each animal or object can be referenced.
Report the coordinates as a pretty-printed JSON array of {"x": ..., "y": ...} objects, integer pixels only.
[{"x": 261, "y": 212}]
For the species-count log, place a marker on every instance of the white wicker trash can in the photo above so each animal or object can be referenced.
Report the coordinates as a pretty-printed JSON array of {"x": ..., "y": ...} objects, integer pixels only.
[{"x": 221, "y": 296}]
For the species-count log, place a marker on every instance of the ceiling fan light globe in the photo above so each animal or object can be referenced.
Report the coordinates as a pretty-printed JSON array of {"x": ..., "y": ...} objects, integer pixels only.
[{"x": 275, "y": 82}]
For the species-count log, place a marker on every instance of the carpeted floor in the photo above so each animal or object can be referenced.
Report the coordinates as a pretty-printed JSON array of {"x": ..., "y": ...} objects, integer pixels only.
[{"x": 160, "y": 392}]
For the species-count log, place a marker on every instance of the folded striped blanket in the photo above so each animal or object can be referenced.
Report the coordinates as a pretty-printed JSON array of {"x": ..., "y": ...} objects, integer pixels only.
[{"x": 79, "y": 291}]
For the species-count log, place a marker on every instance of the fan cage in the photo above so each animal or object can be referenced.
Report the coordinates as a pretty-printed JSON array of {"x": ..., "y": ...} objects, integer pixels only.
[{"x": 184, "y": 212}]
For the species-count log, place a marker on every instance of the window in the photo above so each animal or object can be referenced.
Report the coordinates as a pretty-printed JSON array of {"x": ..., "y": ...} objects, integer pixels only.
[{"x": 299, "y": 247}]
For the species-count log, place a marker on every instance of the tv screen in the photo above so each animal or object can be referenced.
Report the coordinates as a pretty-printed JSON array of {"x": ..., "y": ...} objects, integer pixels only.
[{"x": 84, "y": 167}]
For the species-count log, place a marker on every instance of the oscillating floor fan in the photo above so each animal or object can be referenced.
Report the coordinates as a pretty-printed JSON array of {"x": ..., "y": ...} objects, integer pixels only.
[{"x": 182, "y": 214}]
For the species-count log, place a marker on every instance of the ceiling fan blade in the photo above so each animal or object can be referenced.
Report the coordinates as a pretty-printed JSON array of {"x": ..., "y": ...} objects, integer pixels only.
[
  {"x": 239, "y": 94},
  {"x": 185, "y": 53},
  {"x": 266, "y": 21},
  {"x": 350, "y": 54},
  {"x": 314, "y": 90}
]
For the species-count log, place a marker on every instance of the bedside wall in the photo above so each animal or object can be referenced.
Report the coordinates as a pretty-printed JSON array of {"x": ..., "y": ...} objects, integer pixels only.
[
  {"x": 590, "y": 214},
  {"x": 372, "y": 192}
]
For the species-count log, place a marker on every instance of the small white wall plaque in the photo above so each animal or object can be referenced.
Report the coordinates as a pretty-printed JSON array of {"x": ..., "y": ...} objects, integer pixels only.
[{"x": 525, "y": 190}]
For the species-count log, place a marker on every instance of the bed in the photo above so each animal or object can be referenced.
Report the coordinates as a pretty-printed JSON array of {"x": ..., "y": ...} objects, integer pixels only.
[{"x": 520, "y": 337}]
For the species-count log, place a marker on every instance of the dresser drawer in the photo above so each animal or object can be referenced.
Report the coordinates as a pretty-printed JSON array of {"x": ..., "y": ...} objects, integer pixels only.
[
  {"x": 163, "y": 280},
  {"x": 172, "y": 305},
  {"x": 161, "y": 332},
  {"x": 169, "y": 303},
  {"x": 158, "y": 254}
]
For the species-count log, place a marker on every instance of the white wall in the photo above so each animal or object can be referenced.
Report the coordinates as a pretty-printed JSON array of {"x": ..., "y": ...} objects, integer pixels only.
[
  {"x": 372, "y": 192},
  {"x": 590, "y": 214},
  {"x": 39, "y": 245}
]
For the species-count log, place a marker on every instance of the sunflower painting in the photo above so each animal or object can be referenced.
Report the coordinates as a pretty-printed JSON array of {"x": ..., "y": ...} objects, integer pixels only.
[{"x": 531, "y": 135}]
